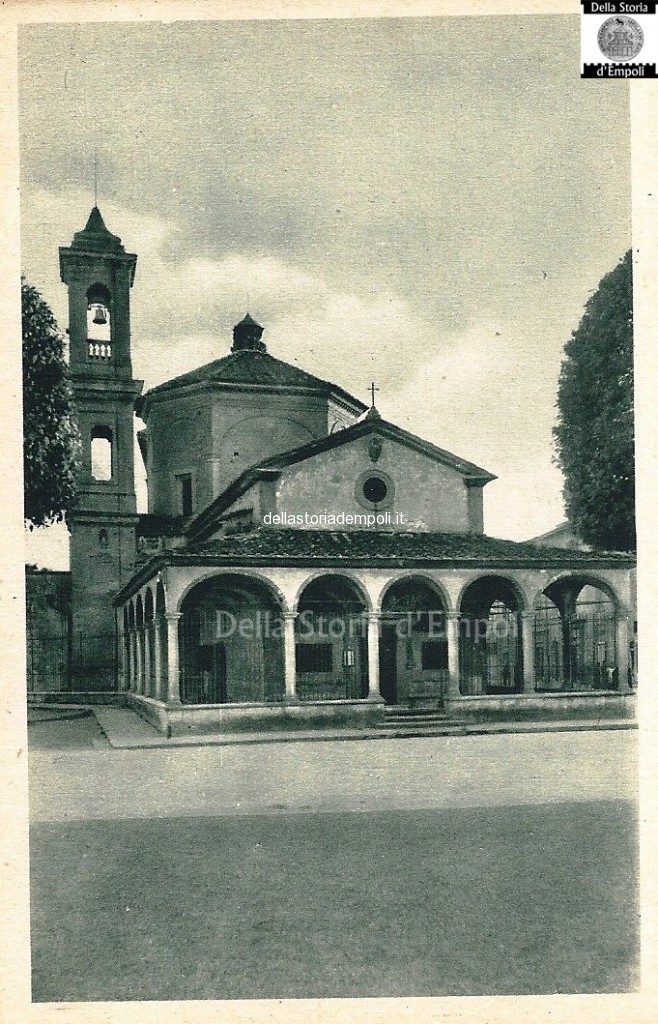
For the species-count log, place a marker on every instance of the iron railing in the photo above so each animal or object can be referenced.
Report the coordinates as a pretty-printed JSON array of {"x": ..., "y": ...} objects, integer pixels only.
[
  {"x": 62, "y": 663},
  {"x": 576, "y": 653}
]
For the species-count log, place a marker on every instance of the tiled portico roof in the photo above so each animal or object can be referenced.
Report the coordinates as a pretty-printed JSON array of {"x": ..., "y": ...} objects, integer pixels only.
[
  {"x": 371, "y": 546},
  {"x": 374, "y": 549}
]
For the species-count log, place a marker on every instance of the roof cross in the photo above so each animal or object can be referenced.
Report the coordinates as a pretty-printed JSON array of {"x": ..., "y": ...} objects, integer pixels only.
[{"x": 373, "y": 388}]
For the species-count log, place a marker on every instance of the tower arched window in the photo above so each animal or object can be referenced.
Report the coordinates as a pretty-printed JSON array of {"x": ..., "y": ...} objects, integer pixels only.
[
  {"x": 99, "y": 328},
  {"x": 101, "y": 453}
]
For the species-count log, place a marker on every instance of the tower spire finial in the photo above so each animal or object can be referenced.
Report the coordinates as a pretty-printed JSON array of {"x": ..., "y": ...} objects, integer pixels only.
[{"x": 96, "y": 176}]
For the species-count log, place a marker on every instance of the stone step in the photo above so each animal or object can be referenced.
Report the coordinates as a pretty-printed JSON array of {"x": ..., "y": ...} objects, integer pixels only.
[
  {"x": 398, "y": 731},
  {"x": 416, "y": 719},
  {"x": 395, "y": 711}
]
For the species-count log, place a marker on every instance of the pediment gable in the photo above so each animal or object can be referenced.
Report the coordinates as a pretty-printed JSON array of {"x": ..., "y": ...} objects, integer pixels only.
[{"x": 371, "y": 434}]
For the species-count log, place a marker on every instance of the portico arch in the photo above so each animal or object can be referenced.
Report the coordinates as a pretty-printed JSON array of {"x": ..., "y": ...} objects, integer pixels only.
[
  {"x": 344, "y": 574},
  {"x": 422, "y": 579},
  {"x": 413, "y": 658},
  {"x": 576, "y": 622},
  {"x": 331, "y": 650},
  {"x": 204, "y": 576},
  {"x": 231, "y": 640},
  {"x": 490, "y": 636}
]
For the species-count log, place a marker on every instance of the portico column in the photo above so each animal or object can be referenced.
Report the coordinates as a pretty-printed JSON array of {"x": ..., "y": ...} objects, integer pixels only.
[
  {"x": 452, "y": 636},
  {"x": 528, "y": 636},
  {"x": 622, "y": 643},
  {"x": 147, "y": 658},
  {"x": 173, "y": 669},
  {"x": 122, "y": 659},
  {"x": 157, "y": 656},
  {"x": 131, "y": 659},
  {"x": 374, "y": 692},
  {"x": 290, "y": 664},
  {"x": 139, "y": 660}
]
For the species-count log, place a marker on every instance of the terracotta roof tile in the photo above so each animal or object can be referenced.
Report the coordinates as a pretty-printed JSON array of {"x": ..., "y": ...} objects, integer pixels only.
[
  {"x": 251, "y": 367},
  {"x": 372, "y": 546}
]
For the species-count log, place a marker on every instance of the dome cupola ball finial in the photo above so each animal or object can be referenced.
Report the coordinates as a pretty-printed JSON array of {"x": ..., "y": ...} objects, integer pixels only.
[{"x": 247, "y": 336}]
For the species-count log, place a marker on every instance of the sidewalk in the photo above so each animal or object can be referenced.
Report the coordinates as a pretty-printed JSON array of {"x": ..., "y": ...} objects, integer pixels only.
[{"x": 125, "y": 730}]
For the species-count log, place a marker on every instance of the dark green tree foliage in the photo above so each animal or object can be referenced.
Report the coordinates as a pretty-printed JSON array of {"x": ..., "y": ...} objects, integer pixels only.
[
  {"x": 50, "y": 440},
  {"x": 594, "y": 435}
]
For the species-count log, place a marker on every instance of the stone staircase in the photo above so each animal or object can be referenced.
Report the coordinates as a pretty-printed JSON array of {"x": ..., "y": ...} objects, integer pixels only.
[{"x": 430, "y": 720}]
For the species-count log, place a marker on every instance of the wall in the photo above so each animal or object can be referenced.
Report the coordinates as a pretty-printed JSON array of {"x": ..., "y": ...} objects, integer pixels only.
[
  {"x": 48, "y": 602},
  {"x": 216, "y": 435},
  {"x": 429, "y": 495},
  {"x": 339, "y": 418},
  {"x": 48, "y": 605},
  {"x": 250, "y": 427},
  {"x": 179, "y": 441}
]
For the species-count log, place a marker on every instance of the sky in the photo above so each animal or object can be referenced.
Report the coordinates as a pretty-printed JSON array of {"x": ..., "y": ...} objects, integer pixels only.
[{"x": 423, "y": 202}]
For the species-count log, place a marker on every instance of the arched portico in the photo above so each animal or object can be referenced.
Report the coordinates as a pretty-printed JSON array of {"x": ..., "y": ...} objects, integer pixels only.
[
  {"x": 413, "y": 658},
  {"x": 469, "y": 640},
  {"x": 491, "y": 637},
  {"x": 577, "y": 644},
  {"x": 231, "y": 642},
  {"x": 331, "y": 634}
]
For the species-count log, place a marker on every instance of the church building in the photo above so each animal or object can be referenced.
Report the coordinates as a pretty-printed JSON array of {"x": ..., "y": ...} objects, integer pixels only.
[{"x": 302, "y": 560}]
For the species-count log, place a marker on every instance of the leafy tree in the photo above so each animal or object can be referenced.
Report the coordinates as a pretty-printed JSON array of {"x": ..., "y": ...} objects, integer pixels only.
[
  {"x": 50, "y": 439},
  {"x": 594, "y": 435}
]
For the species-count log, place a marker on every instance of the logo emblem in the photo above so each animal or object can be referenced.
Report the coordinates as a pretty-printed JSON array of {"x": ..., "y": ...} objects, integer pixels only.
[{"x": 620, "y": 38}]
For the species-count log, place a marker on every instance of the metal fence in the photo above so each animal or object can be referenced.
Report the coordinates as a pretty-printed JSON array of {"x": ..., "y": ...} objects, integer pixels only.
[
  {"x": 208, "y": 687},
  {"x": 335, "y": 688},
  {"x": 64, "y": 664},
  {"x": 490, "y": 653},
  {"x": 576, "y": 653}
]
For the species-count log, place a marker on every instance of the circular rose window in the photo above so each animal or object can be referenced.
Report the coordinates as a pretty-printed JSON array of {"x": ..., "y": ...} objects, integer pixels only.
[{"x": 375, "y": 491}]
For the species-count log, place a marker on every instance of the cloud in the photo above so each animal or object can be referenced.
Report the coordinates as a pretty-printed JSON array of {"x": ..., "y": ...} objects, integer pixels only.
[
  {"x": 183, "y": 311},
  {"x": 485, "y": 393}
]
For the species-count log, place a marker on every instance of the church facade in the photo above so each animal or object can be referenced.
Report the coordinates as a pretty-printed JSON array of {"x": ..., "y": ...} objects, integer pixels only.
[{"x": 303, "y": 560}]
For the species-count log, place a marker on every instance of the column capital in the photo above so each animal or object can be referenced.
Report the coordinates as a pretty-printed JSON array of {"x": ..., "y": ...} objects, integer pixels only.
[
  {"x": 374, "y": 616},
  {"x": 173, "y": 616},
  {"x": 528, "y": 614},
  {"x": 453, "y": 616},
  {"x": 289, "y": 616}
]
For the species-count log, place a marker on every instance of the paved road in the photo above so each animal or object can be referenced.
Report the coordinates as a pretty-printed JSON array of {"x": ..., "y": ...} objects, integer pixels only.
[
  {"x": 465, "y": 866},
  {"x": 441, "y": 772}
]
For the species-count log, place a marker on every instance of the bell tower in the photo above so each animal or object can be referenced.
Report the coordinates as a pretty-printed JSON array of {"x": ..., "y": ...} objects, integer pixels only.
[{"x": 99, "y": 274}]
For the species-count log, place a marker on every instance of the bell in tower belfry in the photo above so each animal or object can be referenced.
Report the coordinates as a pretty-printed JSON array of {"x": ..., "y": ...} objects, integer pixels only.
[
  {"x": 100, "y": 314},
  {"x": 99, "y": 274}
]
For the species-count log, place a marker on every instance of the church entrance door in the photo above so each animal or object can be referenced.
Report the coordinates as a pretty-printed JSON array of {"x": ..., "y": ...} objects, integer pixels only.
[{"x": 413, "y": 644}]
